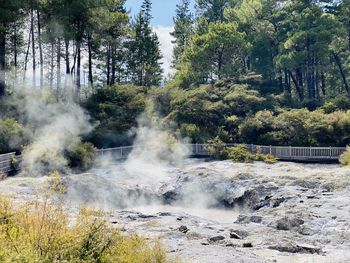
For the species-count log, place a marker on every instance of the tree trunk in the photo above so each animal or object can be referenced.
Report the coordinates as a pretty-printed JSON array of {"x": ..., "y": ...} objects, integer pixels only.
[
  {"x": 297, "y": 87},
  {"x": 113, "y": 65},
  {"x": 108, "y": 62},
  {"x": 58, "y": 67},
  {"x": 66, "y": 41},
  {"x": 15, "y": 52},
  {"x": 2, "y": 61},
  {"x": 26, "y": 57},
  {"x": 40, "y": 51},
  {"x": 341, "y": 71},
  {"x": 287, "y": 88},
  {"x": 33, "y": 43},
  {"x": 323, "y": 84},
  {"x": 78, "y": 69},
  {"x": 51, "y": 65},
  {"x": 90, "y": 60}
]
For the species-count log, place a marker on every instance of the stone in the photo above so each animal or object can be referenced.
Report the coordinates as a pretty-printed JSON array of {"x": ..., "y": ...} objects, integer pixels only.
[
  {"x": 183, "y": 229},
  {"x": 287, "y": 223},
  {"x": 248, "y": 244},
  {"x": 164, "y": 214},
  {"x": 300, "y": 248},
  {"x": 216, "y": 238},
  {"x": 244, "y": 219},
  {"x": 234, "y": 235}
]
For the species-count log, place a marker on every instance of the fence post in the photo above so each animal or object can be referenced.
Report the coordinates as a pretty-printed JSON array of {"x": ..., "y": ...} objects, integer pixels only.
[
  {"x": 196, "y": 152},
  {"x": 310, "y": 151},
  {"x": 290, "y": 151},
  {"x": 270, "y": 149}
]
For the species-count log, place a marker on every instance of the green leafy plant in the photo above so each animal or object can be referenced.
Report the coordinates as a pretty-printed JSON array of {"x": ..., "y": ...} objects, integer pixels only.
[
  {"x": 217, "y": 149},
  {"x": 241, "y": 154}
]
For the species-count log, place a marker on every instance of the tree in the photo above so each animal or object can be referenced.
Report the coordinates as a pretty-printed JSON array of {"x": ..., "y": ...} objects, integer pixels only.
[
  {"x": 10, "y": 10},
  {"x": 212, "y": 10},
  {"x": 146, "y": 9},
  {"x": 144, "y": 54},
  {"x": 183, "y": 21},
  {"x": 216, "y": 54}
]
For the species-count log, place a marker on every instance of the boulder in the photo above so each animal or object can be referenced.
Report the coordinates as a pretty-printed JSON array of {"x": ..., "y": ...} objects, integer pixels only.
[
  {"x": 216, "y": 238},
  {"x": 288, "y": 223},
  {"x": 183, "y": 229}
]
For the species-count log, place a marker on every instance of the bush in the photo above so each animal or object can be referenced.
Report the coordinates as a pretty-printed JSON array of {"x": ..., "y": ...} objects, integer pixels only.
[
  {"x": 43, "y": 232},
  {"x": 12, "y": 135},
  {"x": 267, "y": 158},
  {"x": 191, "y": 131},
  {"x": 81, "y": 155},
  {"x": 217, "y": 149},
  {"x": 116, "y": 110},
  {"x": 241, "y": 154},
  {"x": 337, "y": 103},
  {"x": 344, "y": 159}
]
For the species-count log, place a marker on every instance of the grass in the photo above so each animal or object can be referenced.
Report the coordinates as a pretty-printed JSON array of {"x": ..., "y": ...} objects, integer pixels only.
[{"x": 42, "y": 231}]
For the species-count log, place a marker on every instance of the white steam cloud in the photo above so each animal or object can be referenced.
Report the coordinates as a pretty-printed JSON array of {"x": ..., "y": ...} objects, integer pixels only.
[{"x": 54, "y": 125}]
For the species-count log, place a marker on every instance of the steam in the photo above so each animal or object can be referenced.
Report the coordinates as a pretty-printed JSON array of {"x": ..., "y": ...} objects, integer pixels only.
[
  {"x": 54, "y": 126},
  {"x": 157, "y": 149}
]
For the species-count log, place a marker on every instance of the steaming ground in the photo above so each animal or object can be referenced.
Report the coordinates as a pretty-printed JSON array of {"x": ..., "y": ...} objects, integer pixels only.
[{"x": 219, "y": 211}]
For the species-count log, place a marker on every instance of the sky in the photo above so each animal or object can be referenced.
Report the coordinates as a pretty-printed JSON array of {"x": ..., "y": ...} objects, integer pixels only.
[{"x": 163, "y": 12}]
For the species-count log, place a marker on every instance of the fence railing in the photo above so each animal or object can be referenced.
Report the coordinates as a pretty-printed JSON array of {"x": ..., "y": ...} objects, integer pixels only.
[
  {"x": 6, "y": 162},
  {"x": 286, "y": 153},
  {"x": 292, "y": 153}
]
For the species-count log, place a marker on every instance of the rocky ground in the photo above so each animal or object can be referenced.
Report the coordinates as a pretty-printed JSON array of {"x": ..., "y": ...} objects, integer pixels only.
[{"x": 222, "y": 211}]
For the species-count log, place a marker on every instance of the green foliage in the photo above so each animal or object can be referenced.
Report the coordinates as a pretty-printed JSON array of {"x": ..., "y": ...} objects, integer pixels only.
[
  {"x": 217, "y": 149},
  {"x": 81, "y": 155},
  {"x": 267, "y": 158},
  {"x": 182, "y": 30},
  {"x": 241, "y": 154},
  {"x": 144, "y": 53},
  {"x": 13, "y": 136},
  {"x": 337, "y": 103},
  {"x": 116, "y": 110},
  {"x": 43, "y": 232},
  {"x": 191, "y": 131},
  {"x": 298, "y": 127},
  {"x": 344, "y": 159}
]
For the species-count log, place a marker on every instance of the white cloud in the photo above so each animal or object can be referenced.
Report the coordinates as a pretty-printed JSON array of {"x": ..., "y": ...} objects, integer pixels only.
[{"x": 166, "y": 47}]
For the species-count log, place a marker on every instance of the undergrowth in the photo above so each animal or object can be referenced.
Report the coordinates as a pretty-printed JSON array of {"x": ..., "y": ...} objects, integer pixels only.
[{"x": 42, "y": 231}]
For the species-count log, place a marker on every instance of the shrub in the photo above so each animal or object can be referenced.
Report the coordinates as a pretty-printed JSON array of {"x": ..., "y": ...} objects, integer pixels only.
[
  {"x": 344, "y": 159},
  {"x": 12, "y": 135},
  {"x": 43, "y": 232},
  {"x": 192, "y": 131},
  {"x": 267, "y": 158},
  {"x": 81, "y": 155},
  {"x": 241, "y": 154},
  {"x": 217, "y": 149},
  {"x": 337, "y": 103}
]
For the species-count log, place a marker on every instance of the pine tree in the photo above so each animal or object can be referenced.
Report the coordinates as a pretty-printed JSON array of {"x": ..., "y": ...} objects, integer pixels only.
[
  {"x": 144, "y": 53},
  {"x": 146, "y": 9},
  {"x": 182, "y": 30}
]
